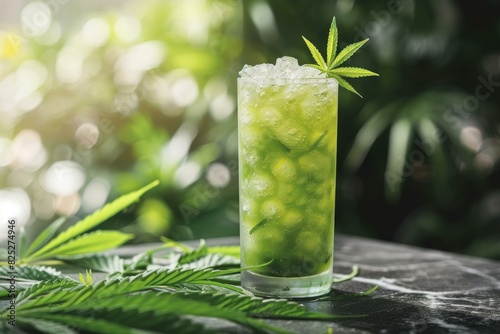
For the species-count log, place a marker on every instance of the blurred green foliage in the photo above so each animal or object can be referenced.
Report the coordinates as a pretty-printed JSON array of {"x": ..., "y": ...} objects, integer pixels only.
[
  {"x": 97, "y": 104},
  {"x": 124, "y": 97}
]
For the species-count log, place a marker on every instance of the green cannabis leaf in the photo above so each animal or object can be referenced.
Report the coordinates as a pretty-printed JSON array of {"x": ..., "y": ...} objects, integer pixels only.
[
  {"x": 66, "y": 302},
  {"x": 74, "y": 240},
  {"x": 26, "y": 277},
  {"x": 168, "y": 298},
  {"x": 98, "y": 262},
  {"x": 171, "y": 285},
  {"x": 333, "y": 60}
]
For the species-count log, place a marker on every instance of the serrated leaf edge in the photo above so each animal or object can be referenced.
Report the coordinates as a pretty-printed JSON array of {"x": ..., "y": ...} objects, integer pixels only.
[
  {"x": 353, "y": 72},
  {"x": 316, "y": 54},
  {"x": 346, "y": 85},
  {"x": 347, "y": 53},
  {"x": 331, "y": 48}
]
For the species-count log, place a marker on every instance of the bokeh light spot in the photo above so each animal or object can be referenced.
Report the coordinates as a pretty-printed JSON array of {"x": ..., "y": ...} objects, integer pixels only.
[
  {"x": 471, "y": 137},
  {"x": 263, "y": 18},
  {"x": 14, "y": 203},
  {"x": 64, "y": 178},
  {"x": 95, "y": 32},
  {"x": 9, "y": 44},
  {"x": 87, "y": 135},
  {"x": 69, "y": 64},
  {"x": 484, "y": 162},
  {"x": 67, "y": 205},
  {"x": 18, "y": 91},
  {"x": 36, "y": 18},
  {"x": 184, "y": 91},
  {"x": 222, "y": 106},
  {"x": 187, "y": 173},
  {"x": 178, "y": 147},
  {"x": 218, "y": 175},
  {"x": 28, "y": 150},
  {"x": 127, "y": 28},
  {"x": 138, "y": 59},
  {"x": 95, "y": 195},
  {"x": 155, "y": 217}
]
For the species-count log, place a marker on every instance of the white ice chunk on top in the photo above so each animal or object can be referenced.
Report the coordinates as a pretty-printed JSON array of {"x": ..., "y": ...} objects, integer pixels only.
[
  {"x": 286, "y": 63},
  {"x": 286, "y": 67}
]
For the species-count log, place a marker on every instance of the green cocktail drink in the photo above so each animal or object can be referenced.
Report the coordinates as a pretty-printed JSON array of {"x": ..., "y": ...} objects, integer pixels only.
[{"x": 287, "y": 121}]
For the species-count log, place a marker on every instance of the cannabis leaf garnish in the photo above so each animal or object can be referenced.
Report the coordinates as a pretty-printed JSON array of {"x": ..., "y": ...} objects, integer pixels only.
[{"x": 333, "y": 60}]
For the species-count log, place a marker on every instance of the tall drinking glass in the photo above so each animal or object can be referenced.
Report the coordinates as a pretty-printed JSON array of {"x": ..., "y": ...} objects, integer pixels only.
[{"x": 287, "y": 167}]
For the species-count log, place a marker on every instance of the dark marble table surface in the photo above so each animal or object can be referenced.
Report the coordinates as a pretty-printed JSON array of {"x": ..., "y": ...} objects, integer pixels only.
[{"x": 420, "y": 291}]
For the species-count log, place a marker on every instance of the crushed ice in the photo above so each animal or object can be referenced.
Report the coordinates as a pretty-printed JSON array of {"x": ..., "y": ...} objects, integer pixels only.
[{"x": 286, "y": 67}]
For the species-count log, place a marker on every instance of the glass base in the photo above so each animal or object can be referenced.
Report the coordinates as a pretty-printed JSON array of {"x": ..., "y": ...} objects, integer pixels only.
[{"x": 287, "y": 287}]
